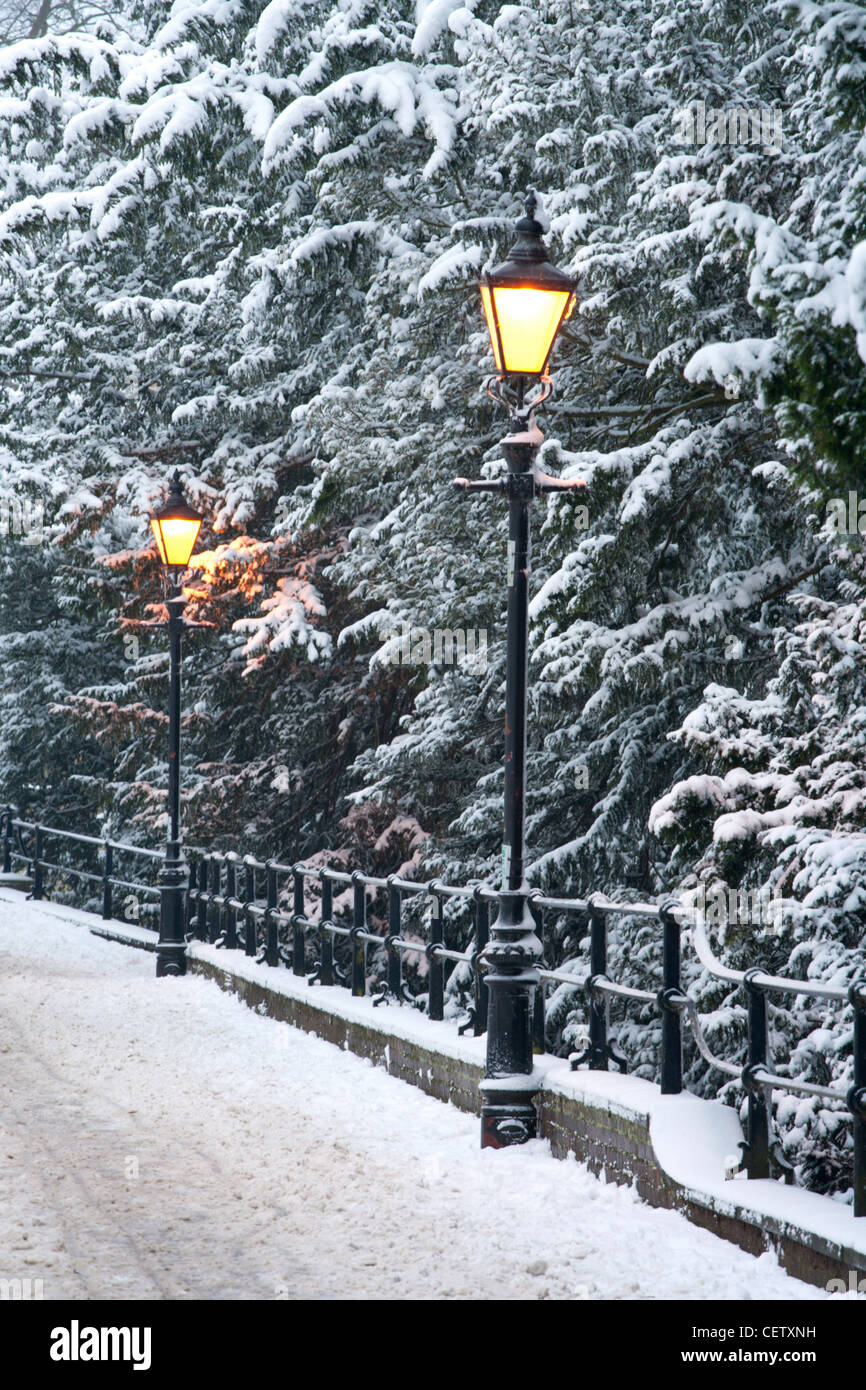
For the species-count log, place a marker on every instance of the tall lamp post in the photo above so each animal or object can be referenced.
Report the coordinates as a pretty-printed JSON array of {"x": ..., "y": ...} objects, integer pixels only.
[
  {"x": 175, "y": 526},
  {"x": 525, "y": 299}
]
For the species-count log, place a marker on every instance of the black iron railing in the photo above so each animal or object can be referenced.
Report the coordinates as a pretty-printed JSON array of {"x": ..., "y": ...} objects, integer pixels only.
[
  {"x": 239, "y": 902},
  {"x": 104, "y": 857}
]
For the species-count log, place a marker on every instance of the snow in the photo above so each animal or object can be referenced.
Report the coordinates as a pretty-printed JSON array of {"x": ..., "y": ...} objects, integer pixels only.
[
  {"x": 453, "y": 263},
  {"x": 432, "y": 18},
  {"x": 326, "y": 238},
  {"x": 177, "y": 115},
  {"x": 275, "y": 19},
  {"x": 182, "y": 11},
  {"x": 747, "y": 357},
  {"x": 132, "y": 1112},
  {"x": 284, "y": 622},
  {"x": 692, "y": 1138},
  {"x": 843, "y": 297},
  {"x": 410, "y": 96}
]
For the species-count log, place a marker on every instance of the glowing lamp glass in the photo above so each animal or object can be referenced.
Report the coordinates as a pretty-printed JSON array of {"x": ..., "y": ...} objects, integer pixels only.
[
  {"x": 176, "y": 538},
  {"x": 523, "y": 321}
]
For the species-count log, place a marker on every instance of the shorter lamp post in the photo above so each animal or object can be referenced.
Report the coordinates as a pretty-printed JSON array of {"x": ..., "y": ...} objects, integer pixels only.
[
  {"x": 525, "y": 299},
  {"x": 175, "y": 526}
]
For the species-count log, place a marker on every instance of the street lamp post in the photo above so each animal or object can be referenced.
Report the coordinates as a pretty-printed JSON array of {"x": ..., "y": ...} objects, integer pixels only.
[
  {"x": 175, "y": 526},
  {"x": 525, "y": 299}
]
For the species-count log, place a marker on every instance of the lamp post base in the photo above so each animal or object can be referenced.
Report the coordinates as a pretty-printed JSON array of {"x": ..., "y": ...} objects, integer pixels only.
[
  {"x": 514, "y": 1121},
  {"x": 170, "y": 960},
  {"x": 171, "y": 948},
  {"x": 507, "y": 1114}
]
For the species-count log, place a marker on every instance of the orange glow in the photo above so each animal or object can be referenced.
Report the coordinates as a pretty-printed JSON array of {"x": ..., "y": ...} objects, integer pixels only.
[
  {"x": 528, "y": 320},
  {"x": 175, "y": 538}
]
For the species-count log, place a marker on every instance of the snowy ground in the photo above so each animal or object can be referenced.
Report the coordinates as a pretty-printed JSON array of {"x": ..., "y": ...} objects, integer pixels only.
[{"x": 160, "y": 1140}]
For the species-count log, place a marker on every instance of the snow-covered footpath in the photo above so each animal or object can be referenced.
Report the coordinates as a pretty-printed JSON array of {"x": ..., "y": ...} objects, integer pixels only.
[{"x": 162, "y": 1141}]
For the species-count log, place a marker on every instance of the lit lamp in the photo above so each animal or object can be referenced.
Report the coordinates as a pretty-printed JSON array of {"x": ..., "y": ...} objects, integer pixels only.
[
  {"x": 175, "y": 526},
  {"x": 526, "y": 300}
]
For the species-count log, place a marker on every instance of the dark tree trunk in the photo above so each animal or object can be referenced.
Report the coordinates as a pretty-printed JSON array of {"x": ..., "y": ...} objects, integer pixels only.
[{"x": 40, "y": 23}]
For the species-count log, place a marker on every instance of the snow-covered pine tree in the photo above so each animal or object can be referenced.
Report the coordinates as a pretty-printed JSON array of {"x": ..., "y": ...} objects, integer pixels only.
[
  {"x": 780, "y": 814},
  {"x": 144, "y": 254}
]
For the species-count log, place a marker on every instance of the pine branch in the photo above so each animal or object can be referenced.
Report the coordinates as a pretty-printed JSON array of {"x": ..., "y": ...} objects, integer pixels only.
[
  {"x": 795, "y": 579},
  {"x": 159, "y": 451}
]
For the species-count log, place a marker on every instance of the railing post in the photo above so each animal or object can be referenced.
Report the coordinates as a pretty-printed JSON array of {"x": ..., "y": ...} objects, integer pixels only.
[
  {"x": 201, "y": 906},
  {"x": 394, "y": 958},
  {"x": 597, "y": 1004},
  {"x": 358, "y": 980},
  {"x": 107, "y": 870},
  {"x": 598, "y": 1052},
  {"x": 188, "y": 904},
  {"x": 326, "y": 969},
  {"x": 298, "y": 914},
  {"x": 538, "y": 1019},
  {"x": 436, "y": 965},
  {"x": 7, "y": 840},
  {"x": 251, "y": 933},
  {"x": 757, "y": 1148},
  {"x": 231, "y": 936},
  {"x": 672, "y": 1039},
  {"x": 38, "y": 851},
  {"x": 214, "y": 912},
  {"x": 272, "y": 934},
  {"x": 857, "y": 1095},
  {"x": 482, "y": 936}
]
